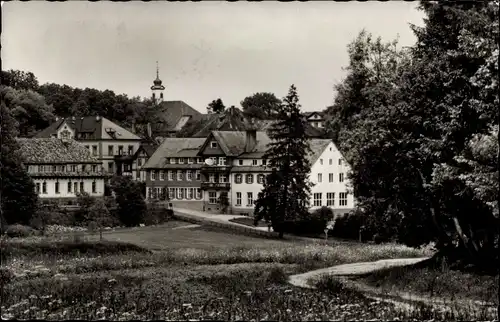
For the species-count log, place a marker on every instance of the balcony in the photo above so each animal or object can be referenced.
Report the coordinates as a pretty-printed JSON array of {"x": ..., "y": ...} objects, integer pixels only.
[
  {"x": 124, "y": 156},
  {"x": 215, "y": 168},
  {"x": 215, "y": 185}
]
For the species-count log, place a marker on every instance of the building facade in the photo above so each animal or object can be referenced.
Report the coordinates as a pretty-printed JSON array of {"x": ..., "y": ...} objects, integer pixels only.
[
  {"x": 174, "y": 172},
  {"x": 110, "y": 143},
  {"x": 315, "y": 119},
  {"x": 62, "y": 168},
  {"x": 232, "y": 169}
]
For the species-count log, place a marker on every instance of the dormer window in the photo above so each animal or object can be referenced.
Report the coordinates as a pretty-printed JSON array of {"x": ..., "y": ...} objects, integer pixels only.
[{"x": 213, "y": 144}]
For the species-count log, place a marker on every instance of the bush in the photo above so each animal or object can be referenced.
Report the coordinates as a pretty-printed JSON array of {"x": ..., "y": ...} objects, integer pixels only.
[
  {"x": 310, "y": 224},
  {"x": 19, "y": 231},
  {"x": 349, "y": 226},
  {"x": 156, "y": 214},
  {"x": 56, "y": 217}
]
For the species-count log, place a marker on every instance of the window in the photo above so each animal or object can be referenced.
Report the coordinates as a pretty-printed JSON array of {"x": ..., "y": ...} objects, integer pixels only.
[
  {"x": 249, "y": 178},
  {"x": 341, "y": 177},
  {"x": 181, "y": 160},
  {"x": 238, "y": 178},
  {"x": 44, "y": 187},
  {"x": 190, "y": 160},
  {"x": 94, "y": 149},
  {"x": 330, "y": 177},
  {"x": 184, "y": 192},
  {"x": 120, "y": 149},
  {"x": 222, "y": 178},
  {"x": 317, "y": 199},
  {"x": 240, "y": 162},
  {"x": 249, "y": 198},
  {"x": 40, "y": 168},
  {"x": 84, "y": 167},
  {"x": 139, "y": 162},
  {"x": 171, "y": 193},
  {"x": 330, "y": 161},
  {"x": 200, "y": 160},
  {"x": 222, "y": 161},
  {"x": 198, "y": 175},
  {"x": 238, "y": 199},
  {"x": 213, "y": 144},
  {"x": 340, "y": 161},
  {"x": 170, "y": 175},
  {"x": 264, "y": 162},
  {"x": 260, "y": 178},
  {"x": 191, "y": 193},
  {"x": 82, "y": 187},
  {"x": 75, "y": 187},
  {"x": 330, "y": 199},
  {"x": 150, "y": 193},
  {"x": 37, "y": 188},
  {"x": 54, "y": 168},
  {"x": 254, "y": 162},
  {"x": 198, "y": 193},
  {"x": 130, "y": 149},
  {"x": 180, "y": 193},
  {"x": 173, "y": 160},
  {"x": 69, "y": 186},
  {"x": 87, "y": 147},
  {"x": 110, "y": 167},
  {"x": 174, "y": 193},
  {"x": 211, "y": 177},
  {"x": 189, "y": 175},
  {"x": 321, "y": 161},
  {"x": 94, "y": 187},
  {"x": 153, "y": 175},
  {"x": 343, "y": 199},
  {"x": 162, "y": 175},
  {"x": 180, "y": 175},
  {"x": 94, "y": 168},
  {"x": 73, "y": 168},
  {"x": 56, "y": 187},
  {"x": 214, "y": 160},
  {"x": 212, "y": 197},
  {"x": 320, "y": 177}
]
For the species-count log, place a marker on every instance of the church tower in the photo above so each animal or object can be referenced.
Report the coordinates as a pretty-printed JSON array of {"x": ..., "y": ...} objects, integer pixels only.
[{"x": 157, "y": 88}]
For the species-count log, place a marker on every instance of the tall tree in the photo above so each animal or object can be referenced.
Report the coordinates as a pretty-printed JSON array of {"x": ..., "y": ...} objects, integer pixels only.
[
  {"x": 216, "y": 106},
  {"x": 28, "y": 108},
  {"x": 18, "y": 198},
  {"x": 130, "y": 200},
  {"x": 288, "y": 186},
  {"x": 261, "y": 105},
  {"x": 20, "y": 80}
]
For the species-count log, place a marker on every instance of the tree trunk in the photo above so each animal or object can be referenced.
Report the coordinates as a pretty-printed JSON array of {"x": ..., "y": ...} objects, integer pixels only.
[{"x": 281, "y": 234}]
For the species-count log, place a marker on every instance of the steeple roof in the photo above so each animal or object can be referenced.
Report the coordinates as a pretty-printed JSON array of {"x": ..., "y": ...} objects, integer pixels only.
[{"x": 157, "y": 83}]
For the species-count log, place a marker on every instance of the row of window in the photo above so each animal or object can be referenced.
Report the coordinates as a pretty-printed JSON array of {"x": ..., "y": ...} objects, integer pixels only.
[
  {"x": 330, "y": 161},
  {"x": 249, "y": 178},
  {"x": 175, "y": 193},
  {"x": 216, "y": 161},
  {"x": 179, "y": 175},
  {"x": 64, "y": 168},
  {"x": 111, "y": 150},
  {"x": 330, "y": 177},
  {"x": 250, "y": 201},
  {"x": 71, "y": 187},
  {"x": 330, "y": 199}
]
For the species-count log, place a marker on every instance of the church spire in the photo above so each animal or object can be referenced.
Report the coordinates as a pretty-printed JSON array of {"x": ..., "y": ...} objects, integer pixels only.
[{"x": 157, "y": 87}]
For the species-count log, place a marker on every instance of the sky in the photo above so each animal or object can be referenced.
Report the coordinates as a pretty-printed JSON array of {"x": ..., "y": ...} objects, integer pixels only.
[{"x": 205, "y": 50}]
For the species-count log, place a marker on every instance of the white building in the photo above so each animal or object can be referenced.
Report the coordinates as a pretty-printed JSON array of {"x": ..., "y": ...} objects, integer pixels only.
[
  {"x": 62, "y": 168},
  {"x": 110, "y": 143},
  {"x": 237, "y": 169}
]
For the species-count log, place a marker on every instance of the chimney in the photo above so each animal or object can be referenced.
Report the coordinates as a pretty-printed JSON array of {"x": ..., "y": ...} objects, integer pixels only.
[
  {"x": 251, "y": 140},
  {"x": 150, "y": 134},
  {"x": 97, "y": 118},
  {"x": 133, "y": 127}
]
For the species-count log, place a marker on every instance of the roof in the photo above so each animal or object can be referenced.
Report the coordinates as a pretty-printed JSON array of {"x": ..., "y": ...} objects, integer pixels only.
[
  {"x": 169, "y": 113},
  {"x": 309, "y": 114},
  {"x": 231, "y": 120},
  {"x": 53, "y": 150},
  {"x": 172, "y": 147},
  {"x": 232, "y": 143},
  {"x": 99, "y": 128}
]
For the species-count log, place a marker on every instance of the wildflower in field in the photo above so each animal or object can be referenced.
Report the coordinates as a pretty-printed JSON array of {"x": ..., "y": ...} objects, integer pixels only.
[
  {"x": 112, "y": 280},
  {"x": 288, "y": 291}
]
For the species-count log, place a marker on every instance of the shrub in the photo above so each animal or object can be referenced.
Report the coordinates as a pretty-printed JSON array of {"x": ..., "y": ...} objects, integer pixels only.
[
  {"x": 19, "y": 231},
  {"x": 349, "y": 226},
  {"x": 311, "y": 224},
  {"x": 56, "y": 217}
]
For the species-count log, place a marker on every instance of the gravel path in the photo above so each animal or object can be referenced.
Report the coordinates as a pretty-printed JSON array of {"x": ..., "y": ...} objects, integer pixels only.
[{"x": 401, "y": 300}]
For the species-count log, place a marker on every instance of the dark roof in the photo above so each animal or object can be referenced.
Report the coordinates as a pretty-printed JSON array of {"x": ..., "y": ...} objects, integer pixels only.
[
  {"x": 53, "y": 150},
  {"x": 96, "y": 126},
  {"x": 309, "y": 114},
  {"x": 171, "y": 148},
  {"x": 231, "y": 120},
  {"x": 168, "y": 115}
]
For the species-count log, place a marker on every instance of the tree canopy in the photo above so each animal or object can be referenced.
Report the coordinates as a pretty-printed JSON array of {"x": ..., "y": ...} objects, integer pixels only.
[{"x": 261, "y": 106}]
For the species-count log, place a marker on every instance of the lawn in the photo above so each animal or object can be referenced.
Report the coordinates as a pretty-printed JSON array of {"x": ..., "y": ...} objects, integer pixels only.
[
  {"x": 431, "y": 282},
  {"x": 192, "y": 273}
]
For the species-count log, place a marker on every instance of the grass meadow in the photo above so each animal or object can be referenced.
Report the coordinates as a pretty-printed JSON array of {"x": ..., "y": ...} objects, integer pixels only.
[{"x": 183, "y": 274}]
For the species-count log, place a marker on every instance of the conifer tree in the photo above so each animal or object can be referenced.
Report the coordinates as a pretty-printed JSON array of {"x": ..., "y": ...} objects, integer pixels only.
[{"x": 285, "y": 196}]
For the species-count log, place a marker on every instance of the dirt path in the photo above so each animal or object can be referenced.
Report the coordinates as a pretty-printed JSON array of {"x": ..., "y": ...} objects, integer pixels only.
[{"x": 402, "y": 300}]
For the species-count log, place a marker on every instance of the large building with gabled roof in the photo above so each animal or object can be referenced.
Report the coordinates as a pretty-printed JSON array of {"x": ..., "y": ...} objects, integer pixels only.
[
  {"x": 61, "y": 168},
  {"x": 107, "y": 141},
  {"x": 198, "y": 173}
]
